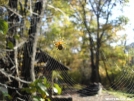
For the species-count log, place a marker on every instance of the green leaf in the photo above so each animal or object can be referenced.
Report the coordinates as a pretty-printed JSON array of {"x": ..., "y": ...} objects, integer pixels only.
[
  {"x": 7, "y": 95},
  {"x": 45, "y": 81},
  {"x": 17, "y": 36},
  {"x": 56, "y": 74},
  {"x": 42, "y": 99},
  {"x": 10, "y": 45},
  {"x": 32, "y": 84},
  {"x": 1, "y": 32},
  {"x": 36, "y": 99},
  {"x": 3, "y": 26},
  {"x": 48, "y": 99},
  {"x": 29, "y": 90},
  {"x": 42, "y": 87},
  {"x": 47, "y": 94},
  {"x": 57, "y": 89}
]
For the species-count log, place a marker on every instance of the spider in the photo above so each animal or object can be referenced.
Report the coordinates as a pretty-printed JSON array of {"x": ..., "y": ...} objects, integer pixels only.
[{"x": 59, "y": 44}]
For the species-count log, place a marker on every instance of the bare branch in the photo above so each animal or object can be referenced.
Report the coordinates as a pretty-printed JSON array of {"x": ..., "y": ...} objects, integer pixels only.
[
  {"x": 19, "y": 45},
  {"x": 108, "y": 14},
  {"x": 57, "y": 9},
  {"x": 93, "y": 7},
  {"x": 10, "y": 76},
  {"x": 10, "y": 59},
  {"x": 10, "y": 9},
  {"x": 20, "y": 99},
  {"x": 6, "y": 86},
  {"x": 32, "y": 71},
  {"x": 16, "y": 61}
]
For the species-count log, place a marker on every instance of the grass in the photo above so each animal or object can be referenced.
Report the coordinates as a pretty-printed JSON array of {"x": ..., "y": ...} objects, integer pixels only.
[{"x": 78, "y": 86}]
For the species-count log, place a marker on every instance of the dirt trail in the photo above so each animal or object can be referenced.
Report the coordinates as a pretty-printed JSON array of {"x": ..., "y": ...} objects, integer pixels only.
[{"x": 101, "y": 97}]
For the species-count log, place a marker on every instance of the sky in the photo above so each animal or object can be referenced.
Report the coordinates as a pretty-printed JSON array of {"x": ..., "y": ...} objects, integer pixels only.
[{"x": 129, "y": 12}]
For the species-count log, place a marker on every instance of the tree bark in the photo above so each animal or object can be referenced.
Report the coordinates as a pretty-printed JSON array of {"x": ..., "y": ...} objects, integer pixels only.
[
  {"x": 29, "y": 49},
  {"x": 13, "y": 19}
]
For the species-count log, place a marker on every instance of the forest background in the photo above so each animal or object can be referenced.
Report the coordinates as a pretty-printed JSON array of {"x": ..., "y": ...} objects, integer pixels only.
[{"x": 85, "y": 31}]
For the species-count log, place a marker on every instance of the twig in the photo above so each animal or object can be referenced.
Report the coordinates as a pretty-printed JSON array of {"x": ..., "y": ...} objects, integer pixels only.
[
  {"x": 20, "y": 99},
  {"x": 57, "y": 9},
  {"x": 19, "y": 45},
  {"x": 16, "y": 61},
  {"x": 13, "y": 11},
  {"x": 6, "y": 86},
  {"x": 10, "y": 59},
  {"x": 16, "y": 78}
]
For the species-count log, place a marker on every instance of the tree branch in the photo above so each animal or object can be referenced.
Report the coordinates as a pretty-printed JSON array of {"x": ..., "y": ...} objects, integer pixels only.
[
  {"x": 10, "y": 9},
  {"x": 108, "y": 14},
  {"x": 6, "y": 86},
  {"x": 32, "y": 71},
  {"x": 10, "y": 76}
]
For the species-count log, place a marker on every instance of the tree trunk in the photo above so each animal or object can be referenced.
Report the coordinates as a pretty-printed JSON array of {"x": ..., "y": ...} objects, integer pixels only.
[
  {"x": 29, "y": 49},
  {"x": 108, "y": 77},
  {"x": 95, "y": 76},
  {"x": 13, "y": 19},
  {"x": 28, "y": 71}
]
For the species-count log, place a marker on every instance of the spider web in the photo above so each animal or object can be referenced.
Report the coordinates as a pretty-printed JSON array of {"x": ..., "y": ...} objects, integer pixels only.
[{"x": 123, "y": 82}]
